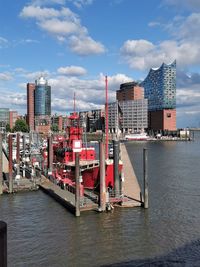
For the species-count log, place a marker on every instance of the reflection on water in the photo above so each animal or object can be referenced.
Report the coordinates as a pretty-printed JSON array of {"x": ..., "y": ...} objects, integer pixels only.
[{"x": 42, "y": 233}]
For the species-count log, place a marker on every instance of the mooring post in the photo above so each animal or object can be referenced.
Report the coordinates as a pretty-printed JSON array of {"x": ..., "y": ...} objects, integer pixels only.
[
  {"x": 50, "y": 155},
  {"x": 3, "y": 244},
  {"x": 102, "y": 202},
  {"x": 77, "y": 177},
  {"x": 145, "y": 172},
  {"x": 18, "y": 156},
  {"x": 10, "y": 164},
  {"x": 1, "y": 166},
  {"x": 116, "y": 167},
  {"x": 23, "y": 157}
]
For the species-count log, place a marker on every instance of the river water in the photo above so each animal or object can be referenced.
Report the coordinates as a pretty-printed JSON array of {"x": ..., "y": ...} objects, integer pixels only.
[{"x": 43, "y": 233}]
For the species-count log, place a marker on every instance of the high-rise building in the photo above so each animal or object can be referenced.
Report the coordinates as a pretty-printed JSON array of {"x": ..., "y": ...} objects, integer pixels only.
[
  {"x": 30, "y": 106},
  {"x": 160, "y": 90},
  {"x": 42, "y": 105},
  {"x": 39, "y": 105}
]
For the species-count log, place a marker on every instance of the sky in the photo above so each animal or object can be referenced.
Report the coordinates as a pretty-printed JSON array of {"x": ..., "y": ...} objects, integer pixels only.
[{"x": 76, "y": 43}]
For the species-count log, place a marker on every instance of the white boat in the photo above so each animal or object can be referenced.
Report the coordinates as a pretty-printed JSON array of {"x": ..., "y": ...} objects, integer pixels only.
[{"x": 137, "y": 136}]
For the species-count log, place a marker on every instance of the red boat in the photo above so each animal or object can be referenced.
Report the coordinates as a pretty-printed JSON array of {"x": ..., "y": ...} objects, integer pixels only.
[{"x": 64, "y": 160}]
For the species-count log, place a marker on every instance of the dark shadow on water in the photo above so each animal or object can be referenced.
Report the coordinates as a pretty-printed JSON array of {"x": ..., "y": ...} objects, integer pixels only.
[{"x": 188, "y": 255}]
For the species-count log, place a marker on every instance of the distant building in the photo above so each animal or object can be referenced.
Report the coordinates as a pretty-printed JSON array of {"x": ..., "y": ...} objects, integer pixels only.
[
  {"x": 39, "y": 106},
  {"x": 30, "y": 106},
  {"x": 13, "y": 116},
  {"x": 60, "y": 121},
  {"x": 127, "y": 116},
  {"x": 4, "y": 118},
  {"x": 129, "y": 112},
  {"x": 92, "y": 120},
  {"x": 130, "y": 91},
  {"x": 160, "y": 90}
]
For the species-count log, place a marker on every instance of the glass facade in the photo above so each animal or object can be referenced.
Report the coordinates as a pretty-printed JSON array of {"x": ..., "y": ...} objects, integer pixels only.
[
  {"x": 42, "y": 98},
  {"x": 160, "y": 87}
]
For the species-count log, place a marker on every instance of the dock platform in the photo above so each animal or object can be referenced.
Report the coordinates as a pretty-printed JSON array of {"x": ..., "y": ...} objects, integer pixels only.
[{"x": 131, "y": 188}]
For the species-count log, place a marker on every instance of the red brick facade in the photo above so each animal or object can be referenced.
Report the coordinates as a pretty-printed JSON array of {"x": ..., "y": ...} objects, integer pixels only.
[
  {"x": 30, "y": 106},
  {"x": 162, "y": 119}
]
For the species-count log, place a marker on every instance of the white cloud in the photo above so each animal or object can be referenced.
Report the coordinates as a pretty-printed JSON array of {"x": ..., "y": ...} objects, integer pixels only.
[
  {"x": 5, "y": 76},
  {"x": 81, "y": 3},
  {"x": 65, "y": 26},
  {"x": 47, "y": 2},
  {"x": 183, "y": 4},
  {"x": 90, "y": 94},
  {"x": 3, "y": 42},
  {"x": 72, "y": 70},
  {"x": 143, "y": 54},
  {"x": 85, "y": 45}
]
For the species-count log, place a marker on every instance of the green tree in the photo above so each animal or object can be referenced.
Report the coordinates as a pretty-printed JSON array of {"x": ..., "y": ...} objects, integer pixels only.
[
  {"x": 54, "y": 128},
  {"x": 8, "y": 128},
  {"x": 20, "y": 126}
]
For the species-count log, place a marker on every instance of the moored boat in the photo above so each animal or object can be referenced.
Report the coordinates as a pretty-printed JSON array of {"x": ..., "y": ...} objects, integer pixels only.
[{"x": 137, "y": 136}]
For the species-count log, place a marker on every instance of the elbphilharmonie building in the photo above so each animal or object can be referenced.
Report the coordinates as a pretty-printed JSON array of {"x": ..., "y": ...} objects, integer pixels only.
[{"x": 160, "y": 90}]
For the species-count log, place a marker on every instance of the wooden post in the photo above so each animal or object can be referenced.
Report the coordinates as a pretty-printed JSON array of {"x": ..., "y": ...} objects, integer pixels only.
[
  {"x": 1, "y": 166},
  {"x": 10, "y": 164},
  {"x": 18, "y": 156},
  {"x": 50, "y": 155},
  {"x": 23, "y": 157},
  {"x": 116, "y": 167},
  {"x": 145, "y": 166},
  {"x": 77, "y": 177},
  {"x": 3, "y": 244},
  {"x": 102, "y": 202}
]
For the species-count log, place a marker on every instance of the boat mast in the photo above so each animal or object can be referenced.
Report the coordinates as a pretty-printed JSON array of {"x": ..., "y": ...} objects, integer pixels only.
[
  {"x": 106, "y": 115},
  {"x": 74, "y": 103}
]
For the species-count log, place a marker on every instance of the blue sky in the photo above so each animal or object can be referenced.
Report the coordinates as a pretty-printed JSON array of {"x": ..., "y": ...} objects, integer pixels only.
[{"x": 75, "y": 43}]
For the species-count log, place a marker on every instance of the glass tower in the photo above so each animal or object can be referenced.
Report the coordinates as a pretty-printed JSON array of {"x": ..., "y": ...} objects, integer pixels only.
[
  {"x": 42, "y": 97},
  {"x": 160, "y": 87}
]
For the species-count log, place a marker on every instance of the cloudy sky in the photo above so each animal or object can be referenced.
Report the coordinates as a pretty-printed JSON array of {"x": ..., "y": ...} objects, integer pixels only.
[{"x": 75, "y": 43}]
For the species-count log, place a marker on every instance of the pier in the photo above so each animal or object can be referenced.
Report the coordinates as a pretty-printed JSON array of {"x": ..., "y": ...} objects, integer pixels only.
[{"x": 23, "y": 174}]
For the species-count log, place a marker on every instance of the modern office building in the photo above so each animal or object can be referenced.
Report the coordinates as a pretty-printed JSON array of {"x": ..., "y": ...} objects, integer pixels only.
[
  {"x": 160, "y": 90},
  {"x": 42, "y": 105},
  {"x": 127, "y": 116},
  {"x": 39, "y": 106}
]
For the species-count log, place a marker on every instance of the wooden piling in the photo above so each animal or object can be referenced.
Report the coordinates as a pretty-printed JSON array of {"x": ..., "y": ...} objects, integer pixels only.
[
  {"x": 1, "y": 166},
  {"x": 3, "y": 244},
  {"x": 10, "y": 164},
  {"x": 145, "y": 173},
  {"x": 116, "y": 167},
  {"x": 18, "y": 156},
  {"x": 102, "y": 202},
  {"x": 50, "y": 155},
  {"x": 77, "y": 177}
]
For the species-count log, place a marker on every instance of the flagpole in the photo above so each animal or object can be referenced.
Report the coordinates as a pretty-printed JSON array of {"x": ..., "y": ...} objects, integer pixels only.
[{"x": 106, "y": 115}]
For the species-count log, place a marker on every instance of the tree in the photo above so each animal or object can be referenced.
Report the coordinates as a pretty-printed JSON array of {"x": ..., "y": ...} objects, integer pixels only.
[
  {"x": 20, "y": 126},
  {"x": 54, "y": 128},
  {"x": 8, "y": 128}
]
